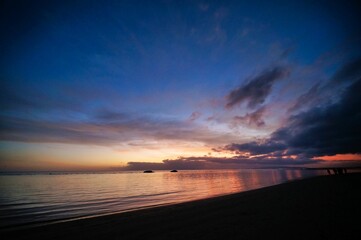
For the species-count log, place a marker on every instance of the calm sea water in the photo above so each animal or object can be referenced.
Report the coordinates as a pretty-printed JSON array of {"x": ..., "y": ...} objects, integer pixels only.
[{"x": 31, "y": 199}]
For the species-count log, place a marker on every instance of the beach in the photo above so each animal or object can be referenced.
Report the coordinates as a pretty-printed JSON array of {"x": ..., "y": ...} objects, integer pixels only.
[{"x": 323, "y": 207}]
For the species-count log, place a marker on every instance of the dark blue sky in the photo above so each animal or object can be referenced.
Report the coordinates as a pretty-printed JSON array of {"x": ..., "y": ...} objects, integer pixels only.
[{"x": 168, "y": 79}]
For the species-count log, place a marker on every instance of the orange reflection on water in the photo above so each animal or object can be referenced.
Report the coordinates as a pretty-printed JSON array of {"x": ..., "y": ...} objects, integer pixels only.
[
  {"x": 289, "y": 175},
  {"x": 207, "y": 183}
]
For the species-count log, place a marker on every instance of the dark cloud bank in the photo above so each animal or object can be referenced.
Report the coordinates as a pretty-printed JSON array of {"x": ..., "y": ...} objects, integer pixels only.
[
  {"x": 208, "y": 162},
  {"x": 322, "y": 130}
]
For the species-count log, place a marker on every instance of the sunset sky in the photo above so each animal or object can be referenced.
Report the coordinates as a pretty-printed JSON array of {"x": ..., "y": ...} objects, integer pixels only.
[{"x": 108, "y": 85}]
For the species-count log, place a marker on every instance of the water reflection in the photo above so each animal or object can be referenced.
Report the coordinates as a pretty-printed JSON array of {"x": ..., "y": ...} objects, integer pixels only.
[{"x": 34, "y": 198}]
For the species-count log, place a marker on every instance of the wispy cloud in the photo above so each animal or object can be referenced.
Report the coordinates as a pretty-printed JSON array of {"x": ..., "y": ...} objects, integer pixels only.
[
  {"x": 107, "y": 128},
  {"x": 257, "y": 89},
  {"x": 252, "y": 119},
  {"x": 307, "y": 99},
  {"x": 194, "y": 116}
]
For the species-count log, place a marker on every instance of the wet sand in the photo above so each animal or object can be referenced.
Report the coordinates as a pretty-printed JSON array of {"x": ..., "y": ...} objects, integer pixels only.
[{"x": 326, "y": 207}]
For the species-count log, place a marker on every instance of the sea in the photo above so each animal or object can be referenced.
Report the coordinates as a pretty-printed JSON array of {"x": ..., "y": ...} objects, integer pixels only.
[{"x": 42, "y": 198}]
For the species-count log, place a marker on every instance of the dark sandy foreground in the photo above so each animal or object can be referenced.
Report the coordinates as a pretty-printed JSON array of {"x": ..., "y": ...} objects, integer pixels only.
[{"x": 327, "y": 207}]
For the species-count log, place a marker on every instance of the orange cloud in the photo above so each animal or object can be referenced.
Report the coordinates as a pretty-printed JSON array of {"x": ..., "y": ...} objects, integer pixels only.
[{"x": 341, "y": 157}]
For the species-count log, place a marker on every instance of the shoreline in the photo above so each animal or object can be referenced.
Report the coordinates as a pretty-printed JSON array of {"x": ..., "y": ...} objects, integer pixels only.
[{"x": 312, "y": 206}]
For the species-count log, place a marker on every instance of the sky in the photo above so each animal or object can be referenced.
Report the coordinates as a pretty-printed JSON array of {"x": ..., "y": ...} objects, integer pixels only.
[{"x": 133, "y": 85}]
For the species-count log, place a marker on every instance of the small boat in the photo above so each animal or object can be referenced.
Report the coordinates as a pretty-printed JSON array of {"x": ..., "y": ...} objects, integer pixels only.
[
  {"x": 174, "y": 170},
  {"x": 148, "y": 171}
]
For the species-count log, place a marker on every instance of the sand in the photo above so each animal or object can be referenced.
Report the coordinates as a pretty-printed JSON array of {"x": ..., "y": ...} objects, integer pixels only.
[{"x": 326, "y": 207}]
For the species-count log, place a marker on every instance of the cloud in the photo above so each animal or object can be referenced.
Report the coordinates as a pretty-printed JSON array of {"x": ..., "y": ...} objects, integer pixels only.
[
  {"x": 256, "y": 90},
  {"x": 108, "y": 115},
  {"x": 319, "y": 93},
  {"x": 167, "y": 165},
  {"x": 306, "y": 99},
  {"x": 107, "y": 127},
  {"x": 207, "y": 162},
  {"x": 349, "y": 72},
  {"x": 26, "y": 95},
  {"x": 330, "y": 129},
  {"x": 256, "y": 148},
  {"x": 194, "y": 116},
  {"x": 252, "y": 119}
]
